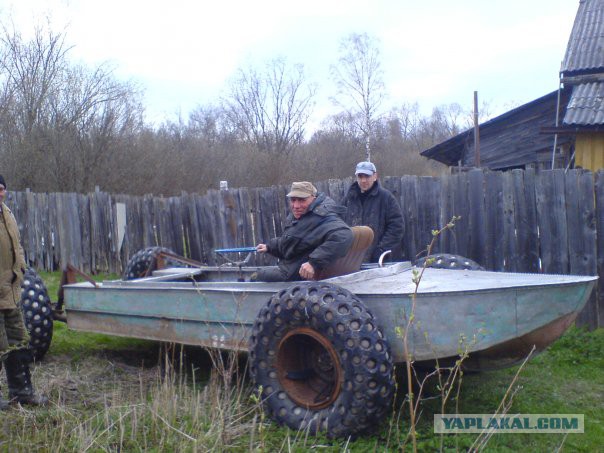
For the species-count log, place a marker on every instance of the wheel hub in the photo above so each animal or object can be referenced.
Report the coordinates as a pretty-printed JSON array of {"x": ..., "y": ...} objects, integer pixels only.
[{"x": 308, "y": 368}]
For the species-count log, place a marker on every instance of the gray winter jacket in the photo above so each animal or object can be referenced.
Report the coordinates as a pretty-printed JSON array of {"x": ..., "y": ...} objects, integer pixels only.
[
  {"x": 320, "y": 237},
  {"x": 378, "y": 209}
]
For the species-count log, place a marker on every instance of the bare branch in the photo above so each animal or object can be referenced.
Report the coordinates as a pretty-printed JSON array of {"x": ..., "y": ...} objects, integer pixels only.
[
  {"x": 359, "y": 78},
  {"x": 269, "y": 110}
]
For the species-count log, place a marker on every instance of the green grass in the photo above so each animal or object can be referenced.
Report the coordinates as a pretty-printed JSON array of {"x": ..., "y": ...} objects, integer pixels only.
[
  {"x": 78, "y": 344},
  {"x": 117, "y": 394},
  {"x": 566, "y": 379},
  {"x": 52, "y": 280}
]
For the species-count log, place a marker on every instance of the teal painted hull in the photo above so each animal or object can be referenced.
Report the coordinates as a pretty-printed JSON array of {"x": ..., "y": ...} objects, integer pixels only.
[{"x": 494, "y": 316}]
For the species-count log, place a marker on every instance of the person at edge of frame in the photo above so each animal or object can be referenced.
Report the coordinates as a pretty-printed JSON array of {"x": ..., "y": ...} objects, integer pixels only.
[
  {"x": 370, "y": 204},
  {"x": 314, "y": 236},
  {"x": 15, "y": 354}
]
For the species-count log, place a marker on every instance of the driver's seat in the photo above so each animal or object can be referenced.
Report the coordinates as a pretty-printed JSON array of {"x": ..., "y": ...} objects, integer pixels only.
[{"x": 351, "y": 262}]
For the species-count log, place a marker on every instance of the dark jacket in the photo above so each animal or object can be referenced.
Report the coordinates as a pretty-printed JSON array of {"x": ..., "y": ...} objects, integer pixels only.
[
  {"x": 320, "y": 237},
  {"x": 378, "y": 209}
]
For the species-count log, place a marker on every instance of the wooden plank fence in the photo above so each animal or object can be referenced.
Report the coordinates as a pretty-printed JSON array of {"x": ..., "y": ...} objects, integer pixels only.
[{"x": 520, "y": 221}]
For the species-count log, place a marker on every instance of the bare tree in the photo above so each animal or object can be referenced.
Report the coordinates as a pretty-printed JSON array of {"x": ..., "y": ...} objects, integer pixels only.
[
  {"x": 207, "y": 124},
  {"x": 359, "y": 78},
  {"x": 63, "y": 126},
  {"x": 101, "y": 116},
  {"x": 270, "y": 109},
  {"x": 28, "y": 70}
]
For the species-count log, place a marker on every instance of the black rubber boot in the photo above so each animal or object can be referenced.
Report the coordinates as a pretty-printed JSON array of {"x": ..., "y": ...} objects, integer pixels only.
[{"x": 18, "y": 377}]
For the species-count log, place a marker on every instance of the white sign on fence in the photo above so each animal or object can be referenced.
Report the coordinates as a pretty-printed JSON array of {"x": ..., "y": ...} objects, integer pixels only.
[{"x": 120, "y": 220}]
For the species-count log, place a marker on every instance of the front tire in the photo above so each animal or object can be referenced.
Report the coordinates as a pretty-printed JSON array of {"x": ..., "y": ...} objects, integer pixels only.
[
  {"x": 449, "y": 261},
  {"x": 37, "y": 313},
  {"x": 321, "y": 361}
]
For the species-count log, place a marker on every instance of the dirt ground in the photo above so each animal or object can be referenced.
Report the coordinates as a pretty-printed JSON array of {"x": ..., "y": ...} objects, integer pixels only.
[{"x": 92, "y": 378}]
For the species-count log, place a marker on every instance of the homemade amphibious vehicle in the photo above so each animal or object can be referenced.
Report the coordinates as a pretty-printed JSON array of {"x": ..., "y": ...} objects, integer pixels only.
[{"x": 323, "y": 352}]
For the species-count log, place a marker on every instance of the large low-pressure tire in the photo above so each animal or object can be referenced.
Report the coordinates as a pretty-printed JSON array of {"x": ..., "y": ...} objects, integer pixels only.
[
  {"x": 37, "y": 313},
  {"x": 143, "y": 262},
  {"x": 321, "y": 361},
  {"x": 448, "y": 261}
]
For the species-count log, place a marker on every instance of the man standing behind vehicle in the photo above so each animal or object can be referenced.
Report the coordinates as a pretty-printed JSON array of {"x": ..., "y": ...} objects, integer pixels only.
[
  {"x": 314, "y": 236},
  {"x": 370, "y": 204},
  {"x": 14, "y": 351}
]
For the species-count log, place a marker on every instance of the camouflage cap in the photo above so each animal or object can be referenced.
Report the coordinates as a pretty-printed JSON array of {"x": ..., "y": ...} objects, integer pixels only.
[{"x": 302, "y": 189}]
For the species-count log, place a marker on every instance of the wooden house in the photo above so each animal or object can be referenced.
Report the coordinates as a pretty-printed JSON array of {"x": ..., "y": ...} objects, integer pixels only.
[
  {"x": 511, "y": 140},
  {"x": 582, "y": 72},
  {"x": 562, "y": 129}
]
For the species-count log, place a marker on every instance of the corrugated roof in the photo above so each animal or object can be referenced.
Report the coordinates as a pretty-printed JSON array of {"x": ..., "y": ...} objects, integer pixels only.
[
  {"x": 585, "y": 50},
  {"x": 586, "y": 105}
]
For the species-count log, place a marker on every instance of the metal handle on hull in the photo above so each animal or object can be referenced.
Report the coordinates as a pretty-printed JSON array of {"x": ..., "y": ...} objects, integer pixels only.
[{"x": 382, "y": 256}]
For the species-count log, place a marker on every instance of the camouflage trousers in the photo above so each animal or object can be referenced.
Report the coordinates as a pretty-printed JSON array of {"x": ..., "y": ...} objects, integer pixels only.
[
  {"x": 13, "y": 334},
  {"x": 273, "y": 274}
]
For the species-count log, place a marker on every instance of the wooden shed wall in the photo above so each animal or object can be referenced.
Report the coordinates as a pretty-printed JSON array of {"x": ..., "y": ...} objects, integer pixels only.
[
  {"x": 589, "y": 150},
  {"x": 517, "y": 140}
]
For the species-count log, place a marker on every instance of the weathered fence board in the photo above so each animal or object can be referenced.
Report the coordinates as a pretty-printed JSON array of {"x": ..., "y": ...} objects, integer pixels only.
[
  {"x": 394, "y": 186},
  {"x": 409, "y": 209},
  {"x": 551, "y": 221},
  {"x": 599, "y": 195},
  {"x": 582, "y": 235},
  {"x": 477, "y": 249},
  {"x": 523, "y": 221},
  {"x": 494, "y": 223},
  {"x": 460, "y": 209},
  {"x": 428, "y": 212},
  {"x": 444, "y": 241},
  {"x": 509, "y": 251}
]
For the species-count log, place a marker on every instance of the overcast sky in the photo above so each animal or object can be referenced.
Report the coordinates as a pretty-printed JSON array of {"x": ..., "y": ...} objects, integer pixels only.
[{"x": 434, "y": 52}]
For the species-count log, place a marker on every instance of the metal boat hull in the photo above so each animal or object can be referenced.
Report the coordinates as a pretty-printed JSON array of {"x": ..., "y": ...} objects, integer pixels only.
[{"x": 496, "y": 317}]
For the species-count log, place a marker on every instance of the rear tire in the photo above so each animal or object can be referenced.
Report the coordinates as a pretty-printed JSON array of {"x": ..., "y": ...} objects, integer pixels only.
[
  {"x": 37, "y": 313},
  {"x": 321, "y": 361},
  {"x": 143, "y": 262}
]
